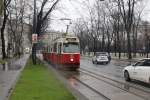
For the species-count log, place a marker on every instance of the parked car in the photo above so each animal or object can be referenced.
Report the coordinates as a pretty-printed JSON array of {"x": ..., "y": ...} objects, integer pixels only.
[
  {"x": 101, "y": 57},
  {"x": 138, "y": 71}
]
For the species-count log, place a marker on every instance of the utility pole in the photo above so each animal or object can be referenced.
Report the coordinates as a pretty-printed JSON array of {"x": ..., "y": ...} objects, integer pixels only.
[
  {"x": 34, "y": 18},
  {"x": 34, "y": 32},
  {"x": 67, "y": 29},
  {"x": 68, "y": 24}
]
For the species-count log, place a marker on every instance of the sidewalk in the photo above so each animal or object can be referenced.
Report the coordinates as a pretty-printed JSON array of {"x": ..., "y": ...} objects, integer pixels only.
[{"x": 9, "y": 74}]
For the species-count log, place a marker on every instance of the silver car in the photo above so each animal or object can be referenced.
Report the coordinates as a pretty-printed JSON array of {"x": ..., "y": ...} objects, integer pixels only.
[{"x": 101, "y": 57}]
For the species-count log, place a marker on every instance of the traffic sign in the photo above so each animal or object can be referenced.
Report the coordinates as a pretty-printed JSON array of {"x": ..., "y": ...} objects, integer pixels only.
[{"x": 34, "y": 38}]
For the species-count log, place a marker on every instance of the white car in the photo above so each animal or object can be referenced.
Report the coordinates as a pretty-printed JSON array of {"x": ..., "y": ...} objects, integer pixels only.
[{"x": 138, "y": 71}]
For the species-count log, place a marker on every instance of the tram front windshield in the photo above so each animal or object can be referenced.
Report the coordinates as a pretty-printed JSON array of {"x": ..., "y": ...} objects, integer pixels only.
[{"x": 71, "y": 48}]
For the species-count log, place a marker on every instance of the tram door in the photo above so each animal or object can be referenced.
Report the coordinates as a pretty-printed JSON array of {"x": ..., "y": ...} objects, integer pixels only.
[{"x": 59, "y": 53}]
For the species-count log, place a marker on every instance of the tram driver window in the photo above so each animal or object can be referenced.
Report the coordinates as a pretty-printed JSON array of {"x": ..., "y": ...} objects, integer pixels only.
[{"x": 71, "y": 48}]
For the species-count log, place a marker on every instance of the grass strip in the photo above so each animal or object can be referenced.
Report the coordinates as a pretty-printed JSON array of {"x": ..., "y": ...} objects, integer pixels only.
[{"x": 37, "y": 82}]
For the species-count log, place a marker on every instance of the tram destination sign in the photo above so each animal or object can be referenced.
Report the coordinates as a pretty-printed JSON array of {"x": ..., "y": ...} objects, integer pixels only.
[{"x": 71, "y": 39}]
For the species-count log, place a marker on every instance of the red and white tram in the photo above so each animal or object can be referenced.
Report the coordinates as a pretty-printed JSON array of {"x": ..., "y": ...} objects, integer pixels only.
[{"x": 64, "y": 51}]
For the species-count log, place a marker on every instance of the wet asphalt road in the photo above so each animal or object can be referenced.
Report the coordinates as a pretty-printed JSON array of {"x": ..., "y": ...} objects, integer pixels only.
[
  {"x": 114, "y": 68},
  {"x": 106, "y": 89}
]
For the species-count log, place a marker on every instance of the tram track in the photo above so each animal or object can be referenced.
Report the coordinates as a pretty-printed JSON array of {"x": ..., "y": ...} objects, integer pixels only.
[
  {"x": 120, "y": 85},
  {"x": 67, "y": 74},
  {"x": 105, "y": 75},
  {"x": 92, "y": 89},
  {"x": 106, "y": 80},
  {"x": 139, "y": 87}
]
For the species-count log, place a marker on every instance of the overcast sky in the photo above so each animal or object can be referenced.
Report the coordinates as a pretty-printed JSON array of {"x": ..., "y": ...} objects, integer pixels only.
[{"x": 74, "y": 9}]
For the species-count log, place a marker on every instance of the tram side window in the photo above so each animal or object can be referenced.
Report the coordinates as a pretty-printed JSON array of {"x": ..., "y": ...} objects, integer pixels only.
[
  {"x": 59, "y": 48},
  {"x": 48, "y": 49},
  {"x": 51, "y": 49},
  {"x": 55, "y": 47}
]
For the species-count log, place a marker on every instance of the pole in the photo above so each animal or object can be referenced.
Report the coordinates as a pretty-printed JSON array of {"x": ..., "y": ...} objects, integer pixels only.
[
  {"x": 34, "y": 31},
  {"x": 34, "y": 18},
  {"x": 67, "y": 29}
]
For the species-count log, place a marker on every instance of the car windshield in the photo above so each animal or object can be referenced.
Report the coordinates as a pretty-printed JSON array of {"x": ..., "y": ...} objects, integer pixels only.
[
  {"x": 71, "y": 48},
  {"x": 144, "y": 62},
  {"x": 101, "y": 55}
]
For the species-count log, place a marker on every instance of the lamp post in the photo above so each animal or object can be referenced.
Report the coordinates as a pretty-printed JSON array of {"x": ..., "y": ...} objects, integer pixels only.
[{"x": 33, "y": 34}]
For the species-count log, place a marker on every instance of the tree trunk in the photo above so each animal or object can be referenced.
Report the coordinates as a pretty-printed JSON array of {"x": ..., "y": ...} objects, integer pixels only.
[
  {"x": 103, "y": 41},
  {"x": 118, "y": 45},
  {"x": 115, "y": 47},
  {"x": 94, "y": 46},
  {"x": 34, "y": 53},
  {"x": 108, "y": 45},
  {"x": 3, "y": 38},
  {"x": 129, "y": 45},
  {"x": 118, "y": 38}
]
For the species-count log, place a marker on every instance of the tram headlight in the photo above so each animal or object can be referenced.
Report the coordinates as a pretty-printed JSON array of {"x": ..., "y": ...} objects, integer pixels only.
[{"x": 71, "y": 59}]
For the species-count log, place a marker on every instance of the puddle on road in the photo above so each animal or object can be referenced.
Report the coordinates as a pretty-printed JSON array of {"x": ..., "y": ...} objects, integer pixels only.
[
  {"x": 9, "y": 67},
  {"x": 69, "y": 75},
  {"x": 123, "y": 63},
  {"x": 126, "y": 87},
  {"x": 72, "y": 82}
]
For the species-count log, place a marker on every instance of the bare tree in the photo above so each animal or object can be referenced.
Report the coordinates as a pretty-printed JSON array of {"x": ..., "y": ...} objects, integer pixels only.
[
  {"x": 112, "y": 22},
  {"x": 16, "y": 25},
  {"x": 136, "y": 23},
  {"x": 42, "y": 18},
  {"x": 6, "y": 4},
  {"x": 127, "y": 14},
  {"x": 146, "y": 38}
]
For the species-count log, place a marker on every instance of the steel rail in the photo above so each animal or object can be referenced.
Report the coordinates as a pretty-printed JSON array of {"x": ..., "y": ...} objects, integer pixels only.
[
  {"x": 94, "y": 90},
  {"x": 98, "y": 78}
]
